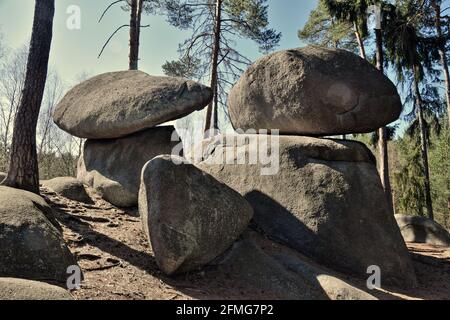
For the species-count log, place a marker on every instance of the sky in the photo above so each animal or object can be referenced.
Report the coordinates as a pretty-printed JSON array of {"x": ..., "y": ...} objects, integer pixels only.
[{"x": 75, "y": 52}]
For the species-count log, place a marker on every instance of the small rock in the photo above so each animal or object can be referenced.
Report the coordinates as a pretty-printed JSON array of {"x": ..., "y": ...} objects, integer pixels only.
[
  {"x": 422, "y": 230},
  {"x": 68, "y": 187},
  {"x": 21, "y": 289}
]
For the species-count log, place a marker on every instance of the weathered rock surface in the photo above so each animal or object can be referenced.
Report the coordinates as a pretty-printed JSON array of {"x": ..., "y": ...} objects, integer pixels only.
[
  {"x": 30, "y": 246},
  {"x": 189, "y": 216},
  {"x": 2, "y": 176},
  {"x": 280, "y": 272},
  {"x": 68, "y": 187},
  {"x": 313, "y": 91},
  {"x": 422, "y": 230},
  {"x": 325, "y": 200},
  {"x": 113, "y": 166},
  {"x": 20, "y": 289},
  {"x": 115, "y": 104}
]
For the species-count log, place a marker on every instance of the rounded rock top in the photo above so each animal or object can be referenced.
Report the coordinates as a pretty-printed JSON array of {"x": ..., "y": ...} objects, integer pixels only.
[
  {"x": 116, "y": 104},
  {"x": 313, "y": 91}
]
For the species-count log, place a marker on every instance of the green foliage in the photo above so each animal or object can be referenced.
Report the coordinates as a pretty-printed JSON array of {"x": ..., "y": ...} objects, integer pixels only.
[
  {"x": 408, "y": 183},
  {"x": 324, "y": 30},
  {"x": 186, "y": 67},
  {"x": 440, "y": 175},
  {"x": 353, "y": 11}
]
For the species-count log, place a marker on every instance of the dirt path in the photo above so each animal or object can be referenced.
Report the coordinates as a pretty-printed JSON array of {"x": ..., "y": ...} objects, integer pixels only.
[{"x": 117, "y": 260}]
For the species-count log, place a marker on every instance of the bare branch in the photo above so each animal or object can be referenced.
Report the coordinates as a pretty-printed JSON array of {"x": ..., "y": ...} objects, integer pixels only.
[
  {"x": 104, "y": 12},
  {"x": 109, "y": 39}
]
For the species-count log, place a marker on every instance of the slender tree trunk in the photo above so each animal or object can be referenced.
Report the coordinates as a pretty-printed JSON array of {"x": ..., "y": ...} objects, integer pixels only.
[
  {"x": 23, "y": 170},
  {"x": 442, "y": 53},
  {"x": 382, "y": 132},
  {"x": 424, "y": 151},
  {"x": 214, "y": 74},
  {"x": 135, "y": 23},
  {"x": 362, "y": 49}
]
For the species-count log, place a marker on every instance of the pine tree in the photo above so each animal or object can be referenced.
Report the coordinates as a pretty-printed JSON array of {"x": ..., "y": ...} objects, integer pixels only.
[
  {"x": 136, "y": 9},
  {"x": 325, "y": 30},
  {"x": 409, "y": 52},
  {"x": 211, "y": 51}
]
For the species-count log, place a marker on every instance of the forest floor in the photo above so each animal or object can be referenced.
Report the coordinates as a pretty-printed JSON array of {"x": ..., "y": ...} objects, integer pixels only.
[{"x": 118, "y": 263}]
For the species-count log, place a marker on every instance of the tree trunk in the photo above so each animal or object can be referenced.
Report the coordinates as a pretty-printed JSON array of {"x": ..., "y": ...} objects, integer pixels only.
[
  {"x": 424, "y": 152},
  {"x": 442, "y": 53},
  {"x": 382, "y": 132},
  {"x": 362, "y": 49},
  {"x": 135, "y": 23},
  {"x": 23, "y": 170},
  {"x": 214, "y": 66}
]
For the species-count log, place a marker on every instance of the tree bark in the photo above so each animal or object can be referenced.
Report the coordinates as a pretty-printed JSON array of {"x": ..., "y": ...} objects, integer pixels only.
[
  {"x": 382, "y": 132},
  {"x": 424, "y": 152},
  {"x": 23, "y": 171},
  {"x": 212, "y": 107},
  {"x": 135, "y": 23},
  {"x": 442, "y": 53},
  {"x": 362, "y": 49}
]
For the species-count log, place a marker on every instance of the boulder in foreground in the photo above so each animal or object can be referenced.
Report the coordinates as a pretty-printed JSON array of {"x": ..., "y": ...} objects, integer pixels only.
[
  {"x": 30, "y": 246},
  {"x": 189, "y": 216},
  {"x": 20, "y": 289},
  {"x": 116, "y": 104},
  {"x": 313, "y": 91}
]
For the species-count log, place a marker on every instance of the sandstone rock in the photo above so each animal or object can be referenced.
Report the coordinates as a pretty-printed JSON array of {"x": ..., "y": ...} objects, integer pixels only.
[
  {"x": 313, "y": 91},
  {"x": 113, "y": 166},
  {"x": 322, "y": 197},
  {"x": 422, "y": 230},
  {"x": 115, "y": 104},
  {"x": 2, "y": 176},
  {"x": 189, "y": 216},
  {"x": 20, "y": 289},
  {"x": 30, "y": 246},
  {"x": 68, "y": 187},
  {"x": 280, "y": 272}
]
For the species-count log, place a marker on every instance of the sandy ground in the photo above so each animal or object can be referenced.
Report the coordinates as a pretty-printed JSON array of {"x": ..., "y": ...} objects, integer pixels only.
[{"x": 117, "y": 261}]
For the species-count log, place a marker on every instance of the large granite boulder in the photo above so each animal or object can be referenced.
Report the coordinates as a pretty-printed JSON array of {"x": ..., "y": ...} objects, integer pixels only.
[
  {"x": 321, "y": 197},
  {"x": 115, "y": 104},
  {"x": 422, "y": 230},
  {"x": 189, "y": 217},
  {"x": 281, "y": 273},
  {"x": 68, "y": 187},
  {"x": 30, "y": 246},
  {"x": 313, "y": 91},
  {"x": 21, "y": 289},
  {"x": 113, "y": 166}
]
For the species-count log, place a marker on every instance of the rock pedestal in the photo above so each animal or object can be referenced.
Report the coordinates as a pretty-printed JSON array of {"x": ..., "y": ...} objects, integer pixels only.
[
  {"x": 326, "y": 200},
  {"x": 113, "y": 166}
]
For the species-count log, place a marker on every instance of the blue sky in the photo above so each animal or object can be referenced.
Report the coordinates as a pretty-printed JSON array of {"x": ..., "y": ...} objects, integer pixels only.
[{"x": 75, "y": 51}]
